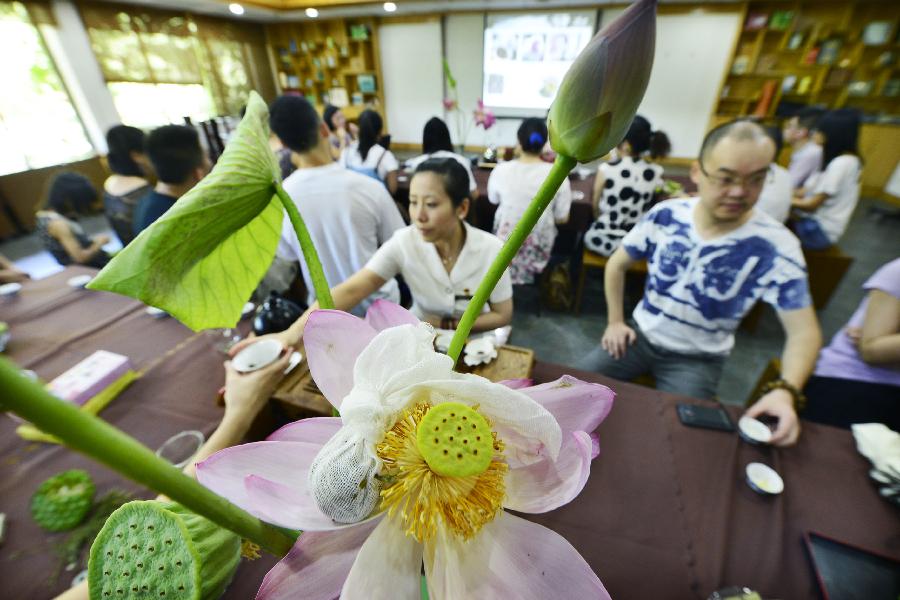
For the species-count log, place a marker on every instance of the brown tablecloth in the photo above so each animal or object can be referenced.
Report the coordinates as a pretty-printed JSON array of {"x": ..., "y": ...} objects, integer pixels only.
[
  {"x": 482, "y": 212},
  {"x": 665, "y": 514}
]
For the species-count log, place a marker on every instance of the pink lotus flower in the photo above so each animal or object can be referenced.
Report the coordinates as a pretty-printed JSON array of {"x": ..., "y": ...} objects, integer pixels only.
[
  {"x": 484, "y": 116},
  {"x": 449, "y": 104},
  {"x": 389, "y": 383}
]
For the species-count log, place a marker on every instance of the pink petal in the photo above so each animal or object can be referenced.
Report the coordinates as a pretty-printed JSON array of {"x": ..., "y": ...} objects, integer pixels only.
[
  {"x": 267, "y": 479},
  {"x": 509, "y": 558},
  {"x": 315, "y": 430},
  {"x": 517, "y": 384},
  {"x": 576, "y": 404},
  {"x": 388, "y": 566},
  {"x": 333, "y": 340},
  {"x": 316, "y": 566},
  {"x": 545, "y": 485},
  {"x": 595, "y": 446},
  {"x": 383, "y": 314}
]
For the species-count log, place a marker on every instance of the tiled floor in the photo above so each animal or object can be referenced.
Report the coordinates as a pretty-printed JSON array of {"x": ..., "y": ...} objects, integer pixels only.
[{"x": 564, "y": 338}]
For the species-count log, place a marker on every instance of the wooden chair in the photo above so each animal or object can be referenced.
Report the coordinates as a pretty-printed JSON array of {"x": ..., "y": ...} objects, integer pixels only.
[
  {"x": 770, "y": 373},
  {"x": 826, "y": 268},
  {"x": 591, "y": 260}
]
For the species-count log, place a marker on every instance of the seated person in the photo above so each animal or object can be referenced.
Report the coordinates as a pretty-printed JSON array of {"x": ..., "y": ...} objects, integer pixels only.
[
  {"x": 436, "y": 144},
  {"x": 341, "y": 133},
  {"x": 709, "y": 260},
  {"x": 806, "y": 152},
  {"x": 367, "y": 156},
  {"x": 857, "y": 378},
  {"x": 826, "y": 203},
  {"x": 777, "y": 194},
  {"x": 128, "y": 183},
  {"x": 442, "y": 258},
  {"x": 512, "y": 186},
  {"x": 624, "y": 187},
  {"x": 71, "y": 196},
  {"x": 180, "y": 163},
  {"x": 347, "y": 214}
]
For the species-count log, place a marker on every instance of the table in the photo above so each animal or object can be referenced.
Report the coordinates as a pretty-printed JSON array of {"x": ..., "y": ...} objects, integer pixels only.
[
  {"x": 665, "y": 513},
  {"x": 481, "y": 214}
]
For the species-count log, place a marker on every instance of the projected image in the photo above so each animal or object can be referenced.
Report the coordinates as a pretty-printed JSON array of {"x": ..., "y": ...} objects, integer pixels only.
[{"x": 526, "y": 57}]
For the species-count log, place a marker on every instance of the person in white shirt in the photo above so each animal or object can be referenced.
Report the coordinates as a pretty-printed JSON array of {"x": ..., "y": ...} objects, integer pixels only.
[
  {"x": 826, "y": 204},
  {"x": 806, "y": 153},
  {"x": 778, "y": 192},
  {"x": 436, "y": 143},
  {"x": 441, "y": 257},
  {"x": 367, "y": 156},
  {"x": 348, "y": 215},
  {"x": 709, "y": 260},
  {"x": 512, "y": 186}
]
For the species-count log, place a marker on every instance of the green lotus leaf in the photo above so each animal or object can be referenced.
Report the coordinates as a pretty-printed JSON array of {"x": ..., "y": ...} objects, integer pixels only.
[{"x": 203, "y": 258}]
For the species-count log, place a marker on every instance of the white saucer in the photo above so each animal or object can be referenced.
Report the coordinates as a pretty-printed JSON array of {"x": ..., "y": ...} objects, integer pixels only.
[
  {"x": 257, "y": 355},
  {"x": 764, "y": 479},
  {"x": 248, "y": 309},
  {"x": 79, "y": 281},
  {"x": 156, "y": 313},
  {"x": 10, "y": 289},
  {"x": 754, "y": 431}
]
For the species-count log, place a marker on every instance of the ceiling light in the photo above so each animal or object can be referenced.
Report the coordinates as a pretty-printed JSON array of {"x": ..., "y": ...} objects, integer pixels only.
[
  {"x": 389, "y": 7},
  {"x": 236, "y": 8},
  {"x": 312, "y": 13}
]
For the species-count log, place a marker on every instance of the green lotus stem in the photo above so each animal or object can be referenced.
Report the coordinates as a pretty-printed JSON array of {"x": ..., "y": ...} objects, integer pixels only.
[
  {"x": 104, "y": 443},
  {"x": 561, "y": 167},
  {"x": 320, "y": 284}
]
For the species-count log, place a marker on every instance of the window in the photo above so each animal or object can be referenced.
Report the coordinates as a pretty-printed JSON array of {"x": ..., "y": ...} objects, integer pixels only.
[
  {"x": 161, "y": 66},
  {"x": 39, "y": 126}
]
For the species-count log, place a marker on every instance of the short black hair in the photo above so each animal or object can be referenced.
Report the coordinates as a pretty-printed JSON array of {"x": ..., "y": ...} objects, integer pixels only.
[
  {"x": 122, "y": 140},
  {"x": 295, "y": 121},
  {"x": 70, "y": 194},
  {"x": 453, "y": 174},
  {"x": 841, "y": 131},
  {"x": 740, "y": 129},
  {"x": 436, "y": 136},
  {"x": 808, "y": 117},
  {"x": 328, "y": 116},
  {"x": 532, "y": 135},
  {"x": 174, "y": 151},
  {"x": 776, "y": 136}
]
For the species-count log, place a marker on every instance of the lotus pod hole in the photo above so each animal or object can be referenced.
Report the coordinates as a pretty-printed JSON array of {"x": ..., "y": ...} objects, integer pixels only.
[
  {"x": 63, "y": 501},
  {"x": 151, "y": 549}
]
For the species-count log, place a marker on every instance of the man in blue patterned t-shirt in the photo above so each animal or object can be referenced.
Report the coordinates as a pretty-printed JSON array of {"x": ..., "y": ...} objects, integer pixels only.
[{"x": 709, "y": 260}]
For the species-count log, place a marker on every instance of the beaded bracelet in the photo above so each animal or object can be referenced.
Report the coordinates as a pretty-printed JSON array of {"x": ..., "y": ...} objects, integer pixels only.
[{"x": 781, "y": 384}]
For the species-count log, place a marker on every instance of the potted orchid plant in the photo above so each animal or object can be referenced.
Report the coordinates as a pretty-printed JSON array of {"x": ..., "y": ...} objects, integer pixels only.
[{"x": 419, "y": 468}]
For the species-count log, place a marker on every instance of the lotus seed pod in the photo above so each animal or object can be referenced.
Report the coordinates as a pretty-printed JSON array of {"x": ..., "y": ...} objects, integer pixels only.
[
  {"x": 342, "y": 479},
  {"x": 152, "y": 549},
  {"x": 63, "y": 501}
]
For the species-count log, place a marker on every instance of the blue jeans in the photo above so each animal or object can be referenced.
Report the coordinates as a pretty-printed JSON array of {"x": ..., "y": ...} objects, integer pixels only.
[
  {"x": 811, "y": 235},
  {"x": 695, "y": 375}
]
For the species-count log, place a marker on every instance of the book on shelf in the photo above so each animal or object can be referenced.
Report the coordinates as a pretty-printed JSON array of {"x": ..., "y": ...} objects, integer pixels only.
[
  {"x": 811, "y": 56},
  {"x": 891, "y": 88},
  {"x": 366, "y": 83},
  {"x": 756, "y": 21},
  {"x": 741, "y": 65},
  {"x": 359, "y": 33},
  {"x": 877, "y": 33},
  {"x": 804, "y": 85},
  {"x": 796, "y": 40},
  {"x": 338, "y": 97},
  {"x": 828, "y": 52},
  {"x": 781, "y": 20},
  {"x": 860, "y": 88}
]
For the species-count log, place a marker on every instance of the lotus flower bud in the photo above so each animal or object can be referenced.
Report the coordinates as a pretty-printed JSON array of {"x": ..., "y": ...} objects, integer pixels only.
[{"x": 600, "y": 93}]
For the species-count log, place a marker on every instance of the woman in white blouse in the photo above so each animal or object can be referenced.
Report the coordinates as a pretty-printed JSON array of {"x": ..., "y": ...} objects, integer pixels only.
[
  {"x": 512, "y": 186},
  {"x": 440, "y": 256},
  {"x": 367, "y": 156}
]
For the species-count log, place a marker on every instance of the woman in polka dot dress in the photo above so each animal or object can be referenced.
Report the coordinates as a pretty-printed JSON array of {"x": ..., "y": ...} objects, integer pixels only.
[{"x": 624, "y": 188}]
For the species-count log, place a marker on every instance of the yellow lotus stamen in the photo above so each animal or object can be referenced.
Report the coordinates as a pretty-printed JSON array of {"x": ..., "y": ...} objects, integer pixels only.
[{"x": 423, "y": 499}]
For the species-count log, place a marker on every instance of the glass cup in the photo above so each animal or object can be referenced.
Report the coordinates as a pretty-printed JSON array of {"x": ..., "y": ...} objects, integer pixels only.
[{"x": 181, "y": 448}]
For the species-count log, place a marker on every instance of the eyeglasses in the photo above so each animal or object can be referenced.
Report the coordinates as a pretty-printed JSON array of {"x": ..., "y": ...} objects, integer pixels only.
[{"x": 755, "y": 181}]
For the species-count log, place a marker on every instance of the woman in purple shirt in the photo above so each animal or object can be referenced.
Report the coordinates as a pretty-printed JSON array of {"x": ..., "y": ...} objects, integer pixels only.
[{"x": 857, "y": 378}]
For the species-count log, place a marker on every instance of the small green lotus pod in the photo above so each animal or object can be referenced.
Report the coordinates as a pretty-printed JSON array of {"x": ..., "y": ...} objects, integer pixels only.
[
  {"x": 152, "y": 549},
  {"x": 63, "y": 501}
]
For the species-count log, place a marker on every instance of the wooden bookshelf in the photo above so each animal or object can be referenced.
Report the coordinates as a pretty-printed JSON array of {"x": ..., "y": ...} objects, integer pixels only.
[
  {"x": 314, "y": 58},
  {"x": 816, "y": 53}
]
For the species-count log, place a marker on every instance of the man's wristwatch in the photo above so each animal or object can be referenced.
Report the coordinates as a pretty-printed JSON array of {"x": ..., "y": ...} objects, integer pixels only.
[{"x": 781, "y": 384}]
